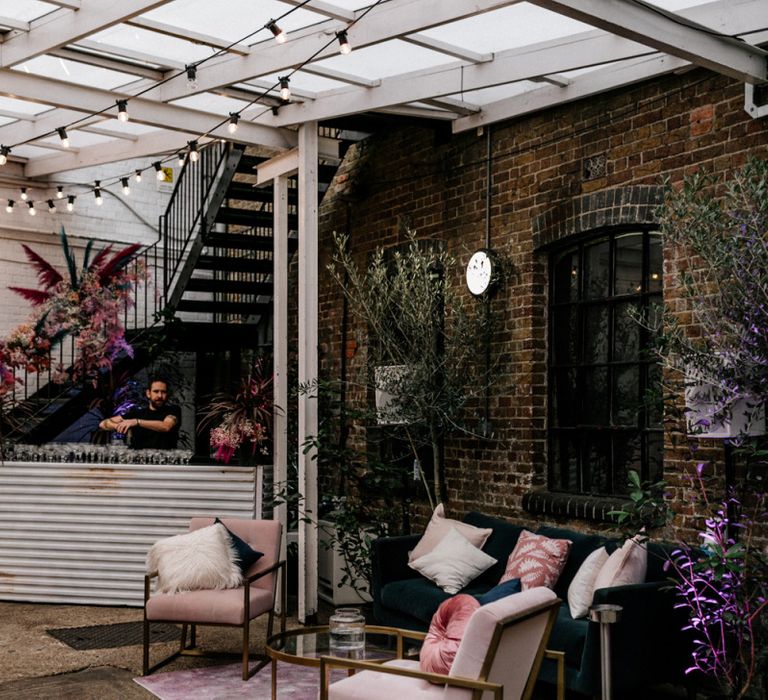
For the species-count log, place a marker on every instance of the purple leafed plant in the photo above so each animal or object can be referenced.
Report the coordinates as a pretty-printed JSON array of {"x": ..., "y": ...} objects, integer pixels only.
[{"x": 723, "y": 585}]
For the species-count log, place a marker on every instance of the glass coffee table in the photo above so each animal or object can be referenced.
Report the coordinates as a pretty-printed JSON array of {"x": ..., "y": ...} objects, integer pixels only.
[{"x": 305, "y": 647}]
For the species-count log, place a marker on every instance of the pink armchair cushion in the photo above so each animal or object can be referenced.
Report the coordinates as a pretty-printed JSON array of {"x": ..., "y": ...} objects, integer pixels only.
[
  {"x": 536, "y": 560},
  {"x": 213, "y": 607},
  {"x": 445, "y": 633},
  {"x": 376, "y": 686},
  {"x": 439, "y": 526}
]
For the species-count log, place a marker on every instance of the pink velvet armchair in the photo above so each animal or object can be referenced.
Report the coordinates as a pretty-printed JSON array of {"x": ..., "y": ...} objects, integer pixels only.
[
  {"x": 499, "y": 656},
  {"x": 234, "y": 607}
]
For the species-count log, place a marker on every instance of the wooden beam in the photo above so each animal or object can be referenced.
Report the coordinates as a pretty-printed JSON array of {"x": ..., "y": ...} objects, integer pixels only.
[{"x": 284, "y": 164}]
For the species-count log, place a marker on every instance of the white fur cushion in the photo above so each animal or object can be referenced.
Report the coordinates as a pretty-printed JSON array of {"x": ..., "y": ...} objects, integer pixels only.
[
  {"x": 582, "y": 587},
  {"x": 453, "y": 563},
  {"x": 202, "y": 559}
]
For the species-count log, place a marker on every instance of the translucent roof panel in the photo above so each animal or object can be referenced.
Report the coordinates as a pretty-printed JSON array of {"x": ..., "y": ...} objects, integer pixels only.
[
  {"x": 152, "y": 44},
  {"x": 23, "y": 106},
  {"x": 25, "y": 10},
  {"x": 75, "y": 72}
]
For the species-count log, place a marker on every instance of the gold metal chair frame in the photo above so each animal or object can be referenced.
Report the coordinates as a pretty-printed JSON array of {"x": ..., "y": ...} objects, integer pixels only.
[
  {"x": 481, "y": 684},
  {"x": 192, "y": 649}
]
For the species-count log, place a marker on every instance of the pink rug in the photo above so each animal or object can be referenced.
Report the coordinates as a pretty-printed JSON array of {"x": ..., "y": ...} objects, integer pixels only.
[{"x": 225, "y": 683}]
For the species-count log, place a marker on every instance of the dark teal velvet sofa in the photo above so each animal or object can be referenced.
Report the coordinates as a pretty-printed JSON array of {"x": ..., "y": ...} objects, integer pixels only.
[{"x": 648, "y": 645}]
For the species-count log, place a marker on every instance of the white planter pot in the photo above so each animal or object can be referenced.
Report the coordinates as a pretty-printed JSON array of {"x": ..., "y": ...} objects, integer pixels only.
[
  {"x": 387, "y": 378},
  {"x": 330, "y": 571},
  {"x": 745, "y": 417}
]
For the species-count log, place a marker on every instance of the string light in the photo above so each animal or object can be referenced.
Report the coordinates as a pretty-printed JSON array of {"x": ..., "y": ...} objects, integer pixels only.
[
  {"x": 279, "y": 34},
  {"x": 97, "y": 193},
  {"x": 194, "y": 154},
  {"x": 234, "y": 117},
  {"x": 32, "y": 210},
  {"x": 4, "y": 153},
  {"x": 60, "y": 192},
  {"x": 122, "y": 110},
  {"x": 137, "y": 176},
  {"x": 182, "y": 158},
  {"x": 9, "y": 206},
  {"x": 70, "y": 202},
  {"x": 51, "y": 207},
  {"x": 191, "y": 76},
  {"x": 24, "y": 194},
  {"x": 126, "y": 186},
  {"x": 344, "y": 47},
  {"x": 285, "y": 90},
  {"x": 62, "y": 132},
  {"x": 159, "y": 174}
]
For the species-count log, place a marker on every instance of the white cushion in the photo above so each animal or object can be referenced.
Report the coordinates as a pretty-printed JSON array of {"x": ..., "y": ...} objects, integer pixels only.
[
  {"x": 582, "y": 587},
  {"x": 438, "y": 527},
  {"x": 453, "y": 563},
  {"x": 201, "y": 559},
  {"x": 625, "y": 566}
]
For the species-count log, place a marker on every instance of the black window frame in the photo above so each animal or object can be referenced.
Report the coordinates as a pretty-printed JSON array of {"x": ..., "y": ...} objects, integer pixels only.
[{"x": 572, "y": 467}]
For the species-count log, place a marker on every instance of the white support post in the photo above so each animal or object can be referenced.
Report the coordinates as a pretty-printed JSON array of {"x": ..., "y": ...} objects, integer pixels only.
[
  {"x": 280, "y": 350},
  {"x": 308, "y": 364}
]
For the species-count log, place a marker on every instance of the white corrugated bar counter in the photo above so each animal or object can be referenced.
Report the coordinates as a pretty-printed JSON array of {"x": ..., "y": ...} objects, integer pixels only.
[{"x": 79, "y": 533}]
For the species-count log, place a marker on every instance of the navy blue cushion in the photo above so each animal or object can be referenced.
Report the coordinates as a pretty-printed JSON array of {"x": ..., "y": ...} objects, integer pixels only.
[
  {"x": 246, "y": 555},
  {"x": 502, "y": 590},
  {"x": 419, "y": 597},
  {"x": 582, "y": 546},
  {"x": 499, "y": 545}
]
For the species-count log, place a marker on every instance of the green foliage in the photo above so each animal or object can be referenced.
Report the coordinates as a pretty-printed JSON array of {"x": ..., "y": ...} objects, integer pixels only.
[{"x": 647, "y": 510}]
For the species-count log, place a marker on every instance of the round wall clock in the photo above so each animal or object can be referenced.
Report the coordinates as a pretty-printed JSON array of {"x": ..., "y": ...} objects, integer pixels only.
[{"x": 481, "y": 272}]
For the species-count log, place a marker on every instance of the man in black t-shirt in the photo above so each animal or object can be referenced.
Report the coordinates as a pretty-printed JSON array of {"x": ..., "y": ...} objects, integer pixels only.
[{"x": 156, "y": 426}]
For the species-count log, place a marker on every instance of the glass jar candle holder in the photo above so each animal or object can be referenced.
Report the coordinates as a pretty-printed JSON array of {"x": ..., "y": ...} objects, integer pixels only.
[{"x": 346, "y": 629}]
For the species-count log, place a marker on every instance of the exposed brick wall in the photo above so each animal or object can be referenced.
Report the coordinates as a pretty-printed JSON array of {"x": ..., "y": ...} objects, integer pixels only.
[{"x": 554, "y": 174}]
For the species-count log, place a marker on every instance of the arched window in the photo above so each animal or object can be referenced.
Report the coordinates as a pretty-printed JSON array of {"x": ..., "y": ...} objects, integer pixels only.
[{"x": 602, "y": 422}]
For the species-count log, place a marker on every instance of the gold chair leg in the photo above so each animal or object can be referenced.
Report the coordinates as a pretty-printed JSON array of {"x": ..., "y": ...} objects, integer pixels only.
[
  {"x": 145, "y": 651},
  {"x": 192, "y": 636},
  {"x": 246, "y": 649}
]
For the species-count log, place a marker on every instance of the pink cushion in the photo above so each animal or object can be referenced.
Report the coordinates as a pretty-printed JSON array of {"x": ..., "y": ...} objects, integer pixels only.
[
  {"x": 445, "y": 633},
  {"x": 213, "y": 607},
  {"x": 626, "y": 565},
  {"x": 536, "y": 560},
  {"x": 439, "y": 526},
  {"x": 377, "y": 686}
]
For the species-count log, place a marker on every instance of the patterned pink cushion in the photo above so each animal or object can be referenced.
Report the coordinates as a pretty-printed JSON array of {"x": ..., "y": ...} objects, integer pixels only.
[
  {"x": 536, "y": 560},
  {"x": 445, "y": 633}
]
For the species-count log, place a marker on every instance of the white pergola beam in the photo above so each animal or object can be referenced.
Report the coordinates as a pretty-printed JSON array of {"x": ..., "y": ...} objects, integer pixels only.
[
  {"x": 164, "y": 64},
  {"x": 281, "y": 165},
  {"x": 187, "y": 35},
  {"x": 553, "y": 79},
  {"x": 448, "y": 49},
  {"x": 546, "y": 58},
  {"x": 91, "y": 59},
  {"x": 69, "y": 4},
  {"x": 111, "y": 133},
  {"x": 324, "y": 8},
  {"x": 665, "y": 32},
  {"x": 389, "y": 20},
  {"x": 15, "y": 24},
  {"x": 99, "y": 154},
  {"x": 66, "y": 26},
  {"x": 308, "y": 364},
  {"x": 342, "y": 77},
  {"x": 452, "y": 105},
  {"x": 143, "y": 111}
]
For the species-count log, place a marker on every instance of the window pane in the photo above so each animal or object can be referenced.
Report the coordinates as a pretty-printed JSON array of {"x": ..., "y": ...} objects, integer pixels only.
[
  {"x": 626, "y": 395},
  {"x": 595, "y": 396},
  {"x": 655, "y": 456},
  {"x": 565, "y": 409},
  {"x": 626, "y": 333},
  {"x": 565, "y": 472},
  {"x": 627, "y": 454},
  {"x": 597, "y": 459},
  {"x": 596, "y": 270},
  {"x": 629, "y": 264},
  {"x": 654, "y": 399},
  {"x": 596, "y": 334},
  {"x": 565, "y": 335},
  {"x": 566, "y": 277},
  {"x": 655, "y": 263}
]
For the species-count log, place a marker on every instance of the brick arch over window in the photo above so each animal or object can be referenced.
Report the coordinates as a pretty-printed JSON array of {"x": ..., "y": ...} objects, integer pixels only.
[{"x": 635, "y": 204}]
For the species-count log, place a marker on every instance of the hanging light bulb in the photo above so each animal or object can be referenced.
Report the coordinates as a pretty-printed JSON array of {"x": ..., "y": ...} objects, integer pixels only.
[
  {"x": 126, "y": 186},
  {"x": 70, "y": 202},
  {"x": 9, "y": 206},
  {"x": 51, "y": 207},
  {"x": 137, "y": 176},
  {"x": 159, "y": 174},
  {"x": 62, "y": 132},
  {"x": 60, "y": 192},
  {"x": 4, "y": 152},
  {"x": 285, "y": 90},
  {"x": 97, "y": 193},
  {"x": 279, "y": 34},
  {"x": 191, "y": 76},
  {"x": 344, "y": 46},
  {"x": 234, "y": 117},
  {"x": 182, "y": 158},
  {"x": 24, "y": 194},
  {"x": 31, "y": 206},
  {"x": 122, "y": 110},
  {"x": 194, "y": 154}
]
